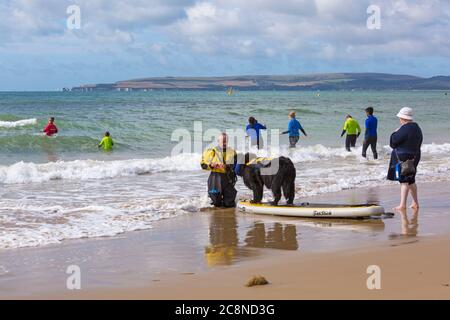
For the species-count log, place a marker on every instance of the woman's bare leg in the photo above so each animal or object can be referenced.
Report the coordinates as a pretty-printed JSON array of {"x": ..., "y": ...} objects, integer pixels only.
[
  {"x": 415, "y": 203},
  {"x": 404, "y": 191}
]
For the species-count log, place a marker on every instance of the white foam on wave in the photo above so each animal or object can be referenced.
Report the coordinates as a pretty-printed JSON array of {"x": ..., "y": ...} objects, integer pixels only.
[
  {"x": 23, "y": 172},
  {"x": 36, "y": 221},
  {"x": 18, "y": 123},
  {"x": 345, "y": 175},
  {"x": 435, "y": 148},
  {"x": 32, "y": 225}
]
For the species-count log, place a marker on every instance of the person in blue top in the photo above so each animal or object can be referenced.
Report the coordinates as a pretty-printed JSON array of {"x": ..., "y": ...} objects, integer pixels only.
[
  {"x": 294, "y": 128},
  {"x": 252, "y": 131},
  {"x": 370, "y": 136}
]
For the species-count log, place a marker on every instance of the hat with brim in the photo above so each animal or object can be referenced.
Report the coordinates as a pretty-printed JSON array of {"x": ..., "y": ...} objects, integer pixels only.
[{"x": 405, "y": 113}]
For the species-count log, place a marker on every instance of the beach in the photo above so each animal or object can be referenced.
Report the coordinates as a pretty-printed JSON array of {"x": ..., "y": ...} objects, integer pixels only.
[
  {"x": 198, "y": 150},
  {"x": 136, "y": 222},
  {"x": 174, "y": 260}
]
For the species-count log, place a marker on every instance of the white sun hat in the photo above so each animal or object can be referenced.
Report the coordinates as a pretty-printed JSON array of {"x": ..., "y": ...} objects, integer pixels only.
[{"x": 405, "y": 113}]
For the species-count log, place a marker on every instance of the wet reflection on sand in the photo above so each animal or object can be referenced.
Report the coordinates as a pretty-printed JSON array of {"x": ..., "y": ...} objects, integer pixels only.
[
  {"x": 409, "y": 224},
  {"x": 234, "y": 236},
  {"x": 224, "y": 246},
  {"x": 272, "y": 235}
]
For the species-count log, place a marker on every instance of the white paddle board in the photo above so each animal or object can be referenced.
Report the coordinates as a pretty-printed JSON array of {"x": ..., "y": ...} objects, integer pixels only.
[{"x": 313, "y": 210}]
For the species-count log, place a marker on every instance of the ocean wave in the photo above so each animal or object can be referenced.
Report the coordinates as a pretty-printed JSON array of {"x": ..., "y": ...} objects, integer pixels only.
[
  {"x": 29, "y": 172},
  {"x": 26, "y": 172},
  {"x": 53, "y": 224},
  {"x": 435, "y": 148},
  {"x": 38, "y": 143},
  {"x": 37, "y": 221},
  {"x": 18, "y": 123}
]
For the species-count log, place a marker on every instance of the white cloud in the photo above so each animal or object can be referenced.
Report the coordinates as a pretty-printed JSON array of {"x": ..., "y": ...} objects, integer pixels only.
[
  {"x": 323, "y": 27},
  {"x": 206, "y": 18},
  {"x": 239, "y": 36},
  {"x": 22, "y": 20},
  {"x": 228, "y": 26}
]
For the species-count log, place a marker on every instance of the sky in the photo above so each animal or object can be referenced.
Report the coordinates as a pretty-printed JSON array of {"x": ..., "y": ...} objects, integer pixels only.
[{"x": 129, "y": 39}]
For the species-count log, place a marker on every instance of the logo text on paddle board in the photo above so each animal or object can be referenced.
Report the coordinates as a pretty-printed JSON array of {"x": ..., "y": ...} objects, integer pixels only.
[
  {"x": 374, "y": 280},
  {"x": 73, "y": 281},
  {"x": 322, "y": 213},
  {"x": 374, "y": 20},
  {"x": 74, "y": 19}
]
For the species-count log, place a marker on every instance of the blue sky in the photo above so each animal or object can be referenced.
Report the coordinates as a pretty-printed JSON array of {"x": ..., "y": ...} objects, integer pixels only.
[{"x": 125, "y": 39}]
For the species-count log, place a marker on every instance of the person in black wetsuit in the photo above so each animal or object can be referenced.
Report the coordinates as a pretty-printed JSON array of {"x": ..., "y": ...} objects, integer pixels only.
[
  {"x": 406, "y": 142},
  {"x": 370, "y": 136}
]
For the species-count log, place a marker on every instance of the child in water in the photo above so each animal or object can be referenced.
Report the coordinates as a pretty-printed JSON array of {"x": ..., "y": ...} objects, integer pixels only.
[{"x": 107, "y": 142}]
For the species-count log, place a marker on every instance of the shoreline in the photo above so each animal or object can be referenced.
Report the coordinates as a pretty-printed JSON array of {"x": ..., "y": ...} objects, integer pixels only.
[{"x": 210, "y": 255}]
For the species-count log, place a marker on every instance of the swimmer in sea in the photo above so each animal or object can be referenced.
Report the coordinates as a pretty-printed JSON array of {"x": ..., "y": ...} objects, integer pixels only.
[
  {"x": 107, "y": 142},
  {"x": 50, "y": 129}
]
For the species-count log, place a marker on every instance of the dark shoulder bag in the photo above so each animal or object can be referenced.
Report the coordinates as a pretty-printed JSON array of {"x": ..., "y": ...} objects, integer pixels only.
[{"x": 405, "y": 168}]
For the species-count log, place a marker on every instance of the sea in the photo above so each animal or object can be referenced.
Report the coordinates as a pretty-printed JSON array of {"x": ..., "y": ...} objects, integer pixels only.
[{"x": 54, "y": 189}]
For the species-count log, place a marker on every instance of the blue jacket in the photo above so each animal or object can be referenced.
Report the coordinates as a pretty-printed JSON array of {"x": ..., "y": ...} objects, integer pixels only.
[
  {"x": 253, "y": 133},
  {"x": 294, "y": 128},
  {"x": 371, "y": 127}
]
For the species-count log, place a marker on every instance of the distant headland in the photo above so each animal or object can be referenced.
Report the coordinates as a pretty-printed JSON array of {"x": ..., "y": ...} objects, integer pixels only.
[{"x": 320, "y": 81}]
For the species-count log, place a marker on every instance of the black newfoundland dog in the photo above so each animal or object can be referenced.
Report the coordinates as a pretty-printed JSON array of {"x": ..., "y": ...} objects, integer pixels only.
[{"x": 276, "y": 174}]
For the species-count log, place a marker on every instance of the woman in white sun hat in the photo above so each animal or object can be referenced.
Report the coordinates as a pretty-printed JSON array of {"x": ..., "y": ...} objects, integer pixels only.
[{"x": 405, "y": 142}]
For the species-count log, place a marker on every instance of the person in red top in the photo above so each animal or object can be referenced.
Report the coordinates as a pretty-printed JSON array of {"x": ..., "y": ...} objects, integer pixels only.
[{"x": 50, "y": 129}]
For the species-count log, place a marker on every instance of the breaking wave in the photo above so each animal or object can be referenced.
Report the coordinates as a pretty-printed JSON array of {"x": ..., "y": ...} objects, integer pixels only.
[
  {"x": 18, "y": 123},
  {"x": 28, "y": 172}
]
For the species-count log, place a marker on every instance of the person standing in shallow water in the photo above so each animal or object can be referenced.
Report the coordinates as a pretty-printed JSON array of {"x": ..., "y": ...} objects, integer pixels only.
[
  {"x": 253, "y": 132},
  {"x": 406, "y": 142},
  {"x": 370, "y": 136},
  {"x": 221, "y": 161},
  {"x": 294, "y": 128},
  {"x": 353, "y": 130}
]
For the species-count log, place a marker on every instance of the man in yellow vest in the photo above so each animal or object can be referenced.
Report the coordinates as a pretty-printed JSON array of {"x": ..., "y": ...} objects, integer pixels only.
[
  {"x": 353, "y": 130},
  {"x": 221, "y": 160}
]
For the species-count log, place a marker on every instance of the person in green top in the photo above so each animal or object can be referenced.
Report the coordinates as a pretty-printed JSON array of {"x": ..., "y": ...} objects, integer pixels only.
[
  {"x": 107, "y": 142},
  {"x": 353, "y": 130}
]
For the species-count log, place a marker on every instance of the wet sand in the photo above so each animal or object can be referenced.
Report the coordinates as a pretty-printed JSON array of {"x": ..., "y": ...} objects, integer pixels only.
[
  {"x": 210, "y": 255},
  {"x": 411, "y": 270}
]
